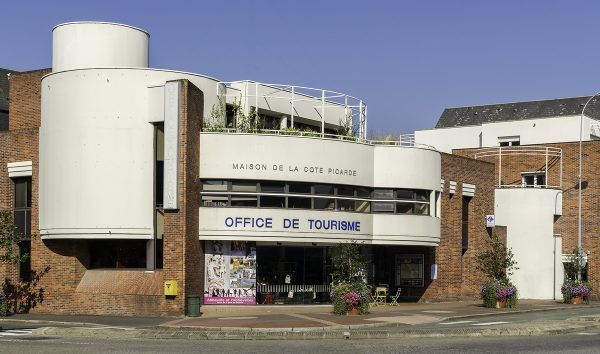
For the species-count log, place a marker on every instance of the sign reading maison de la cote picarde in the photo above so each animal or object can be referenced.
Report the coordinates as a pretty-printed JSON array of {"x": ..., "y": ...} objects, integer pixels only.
[{"x": 300, "y": 169}]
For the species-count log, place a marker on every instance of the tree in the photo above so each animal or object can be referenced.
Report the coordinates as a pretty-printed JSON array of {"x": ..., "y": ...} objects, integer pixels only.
[
  {"x": 348, "y": 263},
  {"x": 497, "y": 261},
  {"x": 9, "y": 240},
  {"x": 574, "y": 266}
]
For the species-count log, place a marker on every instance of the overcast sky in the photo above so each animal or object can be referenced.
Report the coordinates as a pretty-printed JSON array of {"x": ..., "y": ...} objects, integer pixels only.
[{"x": 407, "y": 60}]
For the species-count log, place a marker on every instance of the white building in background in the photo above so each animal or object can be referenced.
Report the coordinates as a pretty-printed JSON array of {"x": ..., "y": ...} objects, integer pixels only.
[{"x": 535, "y": 148}]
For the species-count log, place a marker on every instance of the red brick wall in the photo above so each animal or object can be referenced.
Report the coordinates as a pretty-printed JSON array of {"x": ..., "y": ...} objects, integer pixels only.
[
  {"x": 566, "y": 225},
  {"x": 62, "y": 263},
  {"x": 458, "y": 277}
]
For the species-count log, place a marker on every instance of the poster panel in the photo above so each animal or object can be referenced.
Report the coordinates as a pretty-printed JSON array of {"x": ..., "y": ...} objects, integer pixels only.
[{"x": 230, "y": 273}]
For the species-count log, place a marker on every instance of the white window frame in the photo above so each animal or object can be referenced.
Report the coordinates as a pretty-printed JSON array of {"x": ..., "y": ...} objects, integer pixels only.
[
  {"x": 511, "y": 140},
  {"x": 535, "y": 180}
]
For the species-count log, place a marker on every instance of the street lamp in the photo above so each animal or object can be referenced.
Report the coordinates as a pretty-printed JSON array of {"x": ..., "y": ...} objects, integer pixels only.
[{"x": 579, "y": 248}]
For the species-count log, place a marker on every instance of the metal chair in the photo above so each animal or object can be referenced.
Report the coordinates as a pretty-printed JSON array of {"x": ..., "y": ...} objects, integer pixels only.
[
  {"x": 394, "y": 298},
  {"x": 381, "y": 295}
]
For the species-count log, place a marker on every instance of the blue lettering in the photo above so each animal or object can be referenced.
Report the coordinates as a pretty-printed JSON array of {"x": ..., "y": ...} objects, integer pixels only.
[
  {"x": 295, "y": 224},
  {"x": 229, "y": 221},
  {"x": 287, "y": 223},
  {"x": 269, "y": 223},
  {"x": 310, "y": 223},
  {"x": 351, "y": 226},
  {"x": 238, "y": 221},
  {"x": 260, "y": 222},
  {"x": 357, "y": 225}
]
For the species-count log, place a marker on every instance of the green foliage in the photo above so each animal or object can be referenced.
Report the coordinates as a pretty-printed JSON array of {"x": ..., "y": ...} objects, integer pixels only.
[
  {"x": 493, "y": 291},
  {"x": 574, "y": 266},
  {"x": 497, "y": 261},
  {"x": 3, "y": 305},
  {"x": 349, "y": 263},
  {"x": 9, "y": 240},
  {"x": 488, "y": 293}
]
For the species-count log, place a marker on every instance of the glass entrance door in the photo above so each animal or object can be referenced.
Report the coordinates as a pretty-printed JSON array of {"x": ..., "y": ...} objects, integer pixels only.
[{"x": 292, "y": 275}]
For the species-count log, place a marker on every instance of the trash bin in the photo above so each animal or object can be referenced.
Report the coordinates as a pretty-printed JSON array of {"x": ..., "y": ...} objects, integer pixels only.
[{"x": 193, "y": 305}]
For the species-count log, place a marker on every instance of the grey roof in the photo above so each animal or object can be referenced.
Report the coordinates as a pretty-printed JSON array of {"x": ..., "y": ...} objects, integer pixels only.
[
  {"x": 477, "y": 115},
  {"x": 4, "y": 88}
]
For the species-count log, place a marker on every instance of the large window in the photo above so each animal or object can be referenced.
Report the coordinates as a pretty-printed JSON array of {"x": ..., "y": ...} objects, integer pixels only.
[
  {"x": 301, "y": 195},
  {"x": 409, "y": 270}
]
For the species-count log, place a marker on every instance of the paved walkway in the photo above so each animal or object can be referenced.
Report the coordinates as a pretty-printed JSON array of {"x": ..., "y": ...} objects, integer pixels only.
[{"x": 310, "y": 317}]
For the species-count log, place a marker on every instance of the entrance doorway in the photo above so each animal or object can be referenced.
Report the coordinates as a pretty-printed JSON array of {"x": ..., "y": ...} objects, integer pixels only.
[{"x": 293, "y": 274}]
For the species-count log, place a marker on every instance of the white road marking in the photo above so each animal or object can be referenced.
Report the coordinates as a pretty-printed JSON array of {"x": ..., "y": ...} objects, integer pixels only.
[
  {"x": 16, "y": 332},
  {"x": 587, "y": 334},
  {"x": 488, "y": 323},
  {"x": 457, "y": 322},
  {"x": 237, "y": 318},
  {"x": 438, "y": 311}
]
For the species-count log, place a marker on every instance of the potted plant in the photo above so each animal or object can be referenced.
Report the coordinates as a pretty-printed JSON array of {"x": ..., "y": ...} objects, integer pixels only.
[
  {"x": 498, "y": 265},
  {"x": 574, "y": 289},
  {"x": 349, "y": 291},
  {"x": 575, "y": 292}
]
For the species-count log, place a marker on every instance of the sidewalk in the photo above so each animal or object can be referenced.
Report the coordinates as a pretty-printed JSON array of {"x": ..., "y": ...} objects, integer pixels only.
[
  {"x": 404, "y": 321},
  {"x": 298, "y": 317}
]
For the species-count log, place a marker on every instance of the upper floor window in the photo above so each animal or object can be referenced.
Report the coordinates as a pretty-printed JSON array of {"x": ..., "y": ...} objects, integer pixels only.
[
  {"x": 509, "y": 140},
  {"x": 535, "y": 179}
]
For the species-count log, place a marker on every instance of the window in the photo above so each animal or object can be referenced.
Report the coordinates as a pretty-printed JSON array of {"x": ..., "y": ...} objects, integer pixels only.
[
  {"x": 409, "y": 270},
  {"x": 159, "y": 163},
  {"x": 534, "y": 180},
  {"x": 25, "y": 264},
  {"x": 301, "y": 195},
  {"x": 117, "y": 253},
  {"x": 22, "y": 205},
  {"x": 509, "y": 140},
  {"x": 465, "y": 223}
]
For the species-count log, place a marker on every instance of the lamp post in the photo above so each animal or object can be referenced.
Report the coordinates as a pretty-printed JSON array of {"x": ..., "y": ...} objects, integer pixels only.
[{"x": 579, "y": 247}]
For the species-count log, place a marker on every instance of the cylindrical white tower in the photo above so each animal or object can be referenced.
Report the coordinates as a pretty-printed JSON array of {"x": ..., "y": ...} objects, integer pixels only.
[{"x": 81, "y": 45}]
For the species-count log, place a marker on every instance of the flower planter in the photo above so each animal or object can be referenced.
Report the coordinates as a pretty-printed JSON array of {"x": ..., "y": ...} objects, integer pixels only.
[
  {"x": 501, "y": 304},
  {"x": 353, "y": 311},
  {"x": 577, "y": 300}
]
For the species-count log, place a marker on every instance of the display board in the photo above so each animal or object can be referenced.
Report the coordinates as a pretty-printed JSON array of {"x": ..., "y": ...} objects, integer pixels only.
[{"x": 230, "y": 273}]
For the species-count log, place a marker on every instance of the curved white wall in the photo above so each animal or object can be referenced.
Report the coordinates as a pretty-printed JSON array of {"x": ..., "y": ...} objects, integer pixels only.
[
  {"x": 290, "y": 158},
  {"x": 79, "y": 45},
  {"x": 96, "y": 151}
]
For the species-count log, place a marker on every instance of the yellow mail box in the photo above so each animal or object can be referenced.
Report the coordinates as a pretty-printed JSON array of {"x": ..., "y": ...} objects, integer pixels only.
[{"x": 171, "y": 288}]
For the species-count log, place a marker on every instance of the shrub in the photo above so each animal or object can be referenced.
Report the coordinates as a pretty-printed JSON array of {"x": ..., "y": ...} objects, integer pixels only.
[
  {"x": 493, "y": 291},
  {"x": 3, "y": 305},
  {"x": 345, "y": 296}
]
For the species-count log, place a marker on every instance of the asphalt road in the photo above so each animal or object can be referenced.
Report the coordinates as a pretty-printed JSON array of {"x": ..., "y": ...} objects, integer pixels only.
[
  {"x": 17, "y": 338},
  {"x": 585, "y": 342}
]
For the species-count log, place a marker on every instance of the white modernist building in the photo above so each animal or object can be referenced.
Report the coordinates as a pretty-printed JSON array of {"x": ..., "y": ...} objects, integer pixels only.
[{"x": 282, "y": 177}]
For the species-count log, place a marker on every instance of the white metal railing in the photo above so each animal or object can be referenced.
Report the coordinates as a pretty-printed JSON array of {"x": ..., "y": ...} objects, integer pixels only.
[
  {"x": 351, "y": 111},
  {"x": 404, "y": 140},
  {"x": 551, "y": 156}
]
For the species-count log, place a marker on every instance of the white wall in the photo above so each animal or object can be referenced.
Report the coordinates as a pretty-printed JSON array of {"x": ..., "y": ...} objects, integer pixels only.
[
  {"x": 96, "y": 151},
  {"x": 528, "y": 214},
  {"x": 290, "y": 158},
  {"x": 78, "y": 45},
  {"x": 446, "y": 139},
  {"x": 531, "y": 131}
]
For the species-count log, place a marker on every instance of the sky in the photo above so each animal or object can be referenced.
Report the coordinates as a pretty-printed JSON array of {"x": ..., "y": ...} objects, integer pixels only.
[{"x": 408, "y": 60}]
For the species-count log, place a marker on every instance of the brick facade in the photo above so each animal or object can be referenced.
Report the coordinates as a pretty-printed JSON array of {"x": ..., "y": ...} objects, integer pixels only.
[
  {"x": 566, "y": 224},
  {"x": 62, "y": 283},
  {"x": 458, "y": 277}
]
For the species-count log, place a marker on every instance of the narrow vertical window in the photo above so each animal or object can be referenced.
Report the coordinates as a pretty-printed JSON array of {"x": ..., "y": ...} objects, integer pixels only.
[
  {"x": 465, "y": 223},
  {"x": 22, "y": 220}
]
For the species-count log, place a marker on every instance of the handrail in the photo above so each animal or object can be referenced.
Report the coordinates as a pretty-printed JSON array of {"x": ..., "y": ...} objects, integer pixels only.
[
  {"x": 550, "y": 155},
  {"x": 354, "y": 109},
  {"x": 404, "y": 140}
]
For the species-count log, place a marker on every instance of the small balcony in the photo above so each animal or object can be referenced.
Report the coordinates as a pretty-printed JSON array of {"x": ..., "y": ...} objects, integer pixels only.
[{"x": 525, "y": 166}]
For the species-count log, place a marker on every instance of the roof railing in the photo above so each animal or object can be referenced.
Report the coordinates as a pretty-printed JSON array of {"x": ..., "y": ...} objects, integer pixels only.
[
  {"x": 404, "y": 140},
  {"x": 349, "y": 110},
  {"x": 552, "y": 166}
]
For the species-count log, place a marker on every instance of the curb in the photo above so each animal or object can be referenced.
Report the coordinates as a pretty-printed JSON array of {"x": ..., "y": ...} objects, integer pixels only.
[{"x": 546, "y": 328}]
